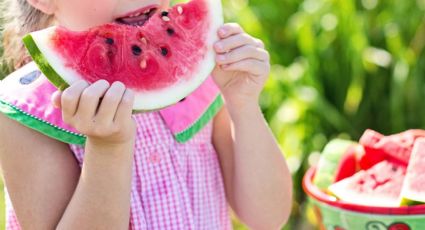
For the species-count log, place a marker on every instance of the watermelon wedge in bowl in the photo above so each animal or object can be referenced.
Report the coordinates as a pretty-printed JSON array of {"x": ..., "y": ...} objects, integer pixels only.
[
  {"x": 413, "y": 191},
  {"x": 333, "y": 213},
  {"x": 162, "y": 55},
  {"x": 378, "y": 186},
  {"x": 386, "y": 193}
]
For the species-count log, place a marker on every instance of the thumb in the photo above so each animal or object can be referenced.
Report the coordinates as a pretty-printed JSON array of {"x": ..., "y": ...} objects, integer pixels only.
[
  {"x": 56, "y": 99},
  {"x": 219, "y": 76}
]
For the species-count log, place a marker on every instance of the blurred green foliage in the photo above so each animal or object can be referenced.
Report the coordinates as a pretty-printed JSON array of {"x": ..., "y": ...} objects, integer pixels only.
[{"x": 339, "y": 67}]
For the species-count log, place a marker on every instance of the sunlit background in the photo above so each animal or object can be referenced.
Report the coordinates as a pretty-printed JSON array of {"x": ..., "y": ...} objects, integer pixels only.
[{"x": 339, "y": 67}]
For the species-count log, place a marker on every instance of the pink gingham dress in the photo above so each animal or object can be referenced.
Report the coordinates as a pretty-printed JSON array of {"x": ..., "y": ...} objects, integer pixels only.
[{"x": 175, "y": 185}]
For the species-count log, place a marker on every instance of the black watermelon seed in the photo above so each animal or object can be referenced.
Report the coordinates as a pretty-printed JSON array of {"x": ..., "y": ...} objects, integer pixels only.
[
  {"x": 170, "y": 31},
  {"x": 109, "y": 41},
  {"x": 164, "y": 13},
  {"x": 136, "y": 50},
  {"x": 164, "y": 51}
]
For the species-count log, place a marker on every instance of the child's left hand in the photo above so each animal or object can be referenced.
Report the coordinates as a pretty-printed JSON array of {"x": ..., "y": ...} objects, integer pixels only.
[{"x": 242, "y": 66}]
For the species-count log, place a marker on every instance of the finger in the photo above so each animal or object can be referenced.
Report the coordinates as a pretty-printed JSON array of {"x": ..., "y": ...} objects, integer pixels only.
[
  {"x": 229, "y": 29},
  {"x": 233, "y": 42},
  {"x": 90, "y": 99},
  {"x": 70, "y": 98},
  {"x": 56, "y": 99},
  {"x": 125, "y": 108},
  {"x": 110, "y": 102},
  {"x": 252, "y": 66},
  {"x": 242, "y": 53},
  {"x": 259, "y": 43}
]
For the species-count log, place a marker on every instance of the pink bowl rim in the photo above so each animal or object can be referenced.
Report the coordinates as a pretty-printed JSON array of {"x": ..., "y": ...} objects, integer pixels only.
[{"x": 315, "y": 193}]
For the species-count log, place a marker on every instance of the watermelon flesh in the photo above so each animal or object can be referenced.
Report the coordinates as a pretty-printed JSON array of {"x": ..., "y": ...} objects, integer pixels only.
[
  {"x": 348, "y": 165},
  {"x": 379, "y": 186},
  {"x": 162, "y": 58},
  {"x": 397, "y": 147},
  {"x": 414, "y": 184}
]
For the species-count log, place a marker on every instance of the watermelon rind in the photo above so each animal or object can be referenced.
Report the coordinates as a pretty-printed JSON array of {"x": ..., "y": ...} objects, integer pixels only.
[
  {"x": 61, "y": 76},
  {"x": 329, "y": 161},
  {"x": 43, "y": 64}
]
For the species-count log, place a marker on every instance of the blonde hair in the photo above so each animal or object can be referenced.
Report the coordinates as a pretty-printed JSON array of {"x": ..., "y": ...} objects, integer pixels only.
[{"x": 19, "y": 18}]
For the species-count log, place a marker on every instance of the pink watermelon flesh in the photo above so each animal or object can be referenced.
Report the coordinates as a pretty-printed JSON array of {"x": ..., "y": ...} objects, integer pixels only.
[
  {"x": 348, "y": 164},
  {"x": 414, "y": 183},
  {"x": 160, "y": 54},
  {"x": 117, "y": 52},
  {"x": 395, "y": 148},
  {"x": 379, "y": 186},
  {"x": 371, "y": 156}
]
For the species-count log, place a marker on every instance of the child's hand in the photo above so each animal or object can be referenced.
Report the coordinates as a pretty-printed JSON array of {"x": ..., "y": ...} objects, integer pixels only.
[
  {"x": 100, "y": 111},
  {"x": 242, "y": 66}
]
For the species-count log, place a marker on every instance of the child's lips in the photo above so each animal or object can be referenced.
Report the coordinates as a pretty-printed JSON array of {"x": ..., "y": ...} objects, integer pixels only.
[{"x": 138, "y": 17}]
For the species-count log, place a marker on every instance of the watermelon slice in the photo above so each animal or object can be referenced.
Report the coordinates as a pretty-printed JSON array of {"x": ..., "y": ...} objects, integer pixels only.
[
  {"x": 372, "y": 156},
  {"x": 349, "y": 165},
  {"x": 161, "y": 55},
  {"x": 413, "y": 191},
  {"x": 397, "y": 147},
  {"x": 379, "y": 186},
  {"x": 338, "y": 161}
]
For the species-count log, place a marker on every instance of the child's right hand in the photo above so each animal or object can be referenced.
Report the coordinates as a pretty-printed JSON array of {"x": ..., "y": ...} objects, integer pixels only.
[{"x": 100, "y": 111}]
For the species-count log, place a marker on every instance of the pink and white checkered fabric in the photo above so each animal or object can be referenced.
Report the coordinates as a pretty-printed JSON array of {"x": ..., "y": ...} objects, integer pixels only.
[{"x": 174, "y": 186}]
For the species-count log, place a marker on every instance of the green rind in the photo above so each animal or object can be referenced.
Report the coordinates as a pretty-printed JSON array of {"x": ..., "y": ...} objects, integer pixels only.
[
  {"x": 44, "y": 127},
  {"x": 329, "y": 161},
  {"x": 43, "y": 64},
  {"x": 212, "y": 110},
  {"x": 408, "y": 202}
]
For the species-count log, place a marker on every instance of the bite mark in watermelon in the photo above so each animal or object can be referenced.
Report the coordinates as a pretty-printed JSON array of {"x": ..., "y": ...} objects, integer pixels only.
[
  {"x": 413, "y": 191},
  {"x": 161, "y": 55},
  {"x": 379, "y": 186}
]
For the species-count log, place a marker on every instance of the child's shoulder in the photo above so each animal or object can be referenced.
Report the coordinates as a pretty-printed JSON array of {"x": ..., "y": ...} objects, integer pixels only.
[
  {"x": 25, "y": 75},
  {"x": 25, "y": 96}
]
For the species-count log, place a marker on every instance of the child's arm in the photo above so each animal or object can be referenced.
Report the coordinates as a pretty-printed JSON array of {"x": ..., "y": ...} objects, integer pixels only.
[
  {"x": 39, "y": 172},
  {"x": 42, "y": 179},
  {"x": 102, "y": 196},
  {"x": 258, "y": 182}
]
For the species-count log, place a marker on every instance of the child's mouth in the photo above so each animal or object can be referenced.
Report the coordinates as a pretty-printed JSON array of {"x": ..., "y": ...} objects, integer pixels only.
[{"x": 138, "y": 17}]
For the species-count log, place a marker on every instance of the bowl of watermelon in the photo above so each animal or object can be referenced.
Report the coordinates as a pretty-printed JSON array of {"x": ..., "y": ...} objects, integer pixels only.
[{"x": 377, "y": 183}]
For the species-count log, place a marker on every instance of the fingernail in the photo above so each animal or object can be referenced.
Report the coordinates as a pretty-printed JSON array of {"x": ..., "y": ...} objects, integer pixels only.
[
  {"x": 119, "y": 83},
  {"x": 222, "y": 32},
  {"x": 103, "y": 82},
  {"x": 219, "y": 46}
]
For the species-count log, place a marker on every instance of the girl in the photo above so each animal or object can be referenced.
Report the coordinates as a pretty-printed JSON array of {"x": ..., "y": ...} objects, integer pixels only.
[{"x": 132, "y": 171}]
